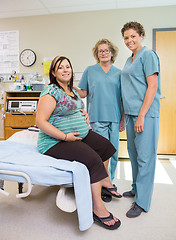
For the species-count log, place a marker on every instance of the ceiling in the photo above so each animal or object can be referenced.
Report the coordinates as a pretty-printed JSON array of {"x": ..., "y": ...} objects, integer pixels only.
[{"x": 21, "y": 8}]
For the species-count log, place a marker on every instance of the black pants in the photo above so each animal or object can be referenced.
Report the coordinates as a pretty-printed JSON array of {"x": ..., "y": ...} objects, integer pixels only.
[{"x": 92, "y": 151}]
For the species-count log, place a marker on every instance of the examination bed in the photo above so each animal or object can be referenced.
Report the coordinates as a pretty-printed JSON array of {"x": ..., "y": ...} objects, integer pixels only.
[{"x": 20, "y": 161}]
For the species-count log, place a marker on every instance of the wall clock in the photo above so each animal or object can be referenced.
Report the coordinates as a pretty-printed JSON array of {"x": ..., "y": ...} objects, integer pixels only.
[{"x": 27, "y": 57}]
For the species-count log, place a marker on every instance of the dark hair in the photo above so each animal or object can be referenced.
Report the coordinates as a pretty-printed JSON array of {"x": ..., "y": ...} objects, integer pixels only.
[
  {"x": 135, "y": 26},
  {"x": 53, "y": 80},
  {"x": 112, "y": 47}
]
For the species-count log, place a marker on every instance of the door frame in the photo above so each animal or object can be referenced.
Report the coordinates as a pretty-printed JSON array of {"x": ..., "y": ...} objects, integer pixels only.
[
  {"x": 159, "y": 30},
  {"x": 154, "y": 32}
]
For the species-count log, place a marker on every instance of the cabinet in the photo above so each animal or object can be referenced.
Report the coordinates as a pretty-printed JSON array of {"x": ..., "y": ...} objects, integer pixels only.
[{"x": 17, "y": 121}]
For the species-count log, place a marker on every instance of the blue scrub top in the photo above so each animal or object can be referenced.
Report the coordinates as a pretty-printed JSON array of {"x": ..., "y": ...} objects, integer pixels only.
[
  {"x": 134, "y": 84},
  {"x": 104, "y": 93}
]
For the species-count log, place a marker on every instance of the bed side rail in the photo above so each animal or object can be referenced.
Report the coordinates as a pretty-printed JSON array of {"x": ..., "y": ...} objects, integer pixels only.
[{"x": 21, "y": 174}]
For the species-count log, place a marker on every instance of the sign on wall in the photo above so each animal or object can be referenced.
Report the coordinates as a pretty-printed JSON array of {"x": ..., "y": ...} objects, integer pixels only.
[{"x": 9, "y": 51}]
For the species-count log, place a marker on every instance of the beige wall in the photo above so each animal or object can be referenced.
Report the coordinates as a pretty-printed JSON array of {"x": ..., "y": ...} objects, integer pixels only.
[{"x": 74, "y": 34}]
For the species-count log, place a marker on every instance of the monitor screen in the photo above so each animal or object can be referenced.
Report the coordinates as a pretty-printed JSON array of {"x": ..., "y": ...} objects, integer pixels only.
[{"x": 14, "y": 104}]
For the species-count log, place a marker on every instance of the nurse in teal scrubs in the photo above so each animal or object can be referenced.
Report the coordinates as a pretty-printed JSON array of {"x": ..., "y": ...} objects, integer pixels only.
[
  {"x": 101, "y": 84},
  {"x": 140, "y": 84}
]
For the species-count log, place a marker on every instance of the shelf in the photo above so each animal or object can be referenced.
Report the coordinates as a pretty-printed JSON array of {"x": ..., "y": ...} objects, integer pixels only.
[
  {"x": 19, "y": 113},
  {"x": 16, "y": 121},
  {"x": 33, "y": 98},
  {"x": 28, "y": 92},
  {"x": 23, "y": 94}
]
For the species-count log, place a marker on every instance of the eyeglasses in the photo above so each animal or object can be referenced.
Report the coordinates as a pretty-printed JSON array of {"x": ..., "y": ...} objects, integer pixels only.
[{"x": 106, "y": 51}]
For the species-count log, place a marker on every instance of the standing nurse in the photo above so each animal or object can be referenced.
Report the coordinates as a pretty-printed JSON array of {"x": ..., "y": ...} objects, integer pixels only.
[
  {"x": 101, "y": 84},
  {"x": 140, "y": 83}
]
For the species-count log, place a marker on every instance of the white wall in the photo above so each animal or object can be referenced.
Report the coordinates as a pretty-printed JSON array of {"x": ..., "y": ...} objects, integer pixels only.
[{"x": 75, "y": 34}]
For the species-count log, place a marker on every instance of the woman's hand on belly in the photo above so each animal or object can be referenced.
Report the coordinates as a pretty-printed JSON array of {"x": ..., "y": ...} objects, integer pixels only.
[
  {"x": 71, "y": 137},
  {"x": 84, "y": 113}
]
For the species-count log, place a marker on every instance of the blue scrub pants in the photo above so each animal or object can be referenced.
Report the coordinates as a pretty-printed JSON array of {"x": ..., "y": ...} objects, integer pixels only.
[
  {"x": 109, "y": 130},
  {"x": 142, "y": 149}
]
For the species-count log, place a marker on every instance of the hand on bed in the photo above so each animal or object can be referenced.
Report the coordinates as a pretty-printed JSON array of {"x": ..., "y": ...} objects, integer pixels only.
[
  {"x": 84, "y": 113},
  {"x": 71, "y": 137}
]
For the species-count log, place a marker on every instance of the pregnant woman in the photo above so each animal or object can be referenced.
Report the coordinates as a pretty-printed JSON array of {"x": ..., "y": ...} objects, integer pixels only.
[{"x": 65, "y": 134}]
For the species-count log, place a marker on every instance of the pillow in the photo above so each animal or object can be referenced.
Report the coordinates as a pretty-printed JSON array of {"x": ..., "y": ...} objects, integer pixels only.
[
  {"x": 25, "y": 136},
  {"x": 65, "y": 199}
]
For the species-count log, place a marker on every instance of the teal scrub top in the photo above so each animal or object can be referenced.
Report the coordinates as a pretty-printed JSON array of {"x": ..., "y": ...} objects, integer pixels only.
[
  {"x": 134, "y": 84},
  {"x": 104, "y": 93}
]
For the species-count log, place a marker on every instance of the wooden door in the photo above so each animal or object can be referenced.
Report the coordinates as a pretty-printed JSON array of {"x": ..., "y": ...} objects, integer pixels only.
[{"x": 166, "y": 49}]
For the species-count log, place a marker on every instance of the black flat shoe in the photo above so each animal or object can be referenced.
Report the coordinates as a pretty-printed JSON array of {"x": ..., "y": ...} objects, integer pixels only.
[
  {"x": 134, "y": 211},
  {"x": 128, "y": 194}
]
